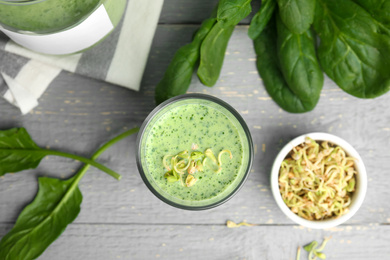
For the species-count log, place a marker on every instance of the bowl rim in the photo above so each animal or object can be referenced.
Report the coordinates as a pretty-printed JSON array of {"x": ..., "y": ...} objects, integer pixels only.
[
  {"x": 170, "y": 101},
  {"x": 358, "y": 196}
]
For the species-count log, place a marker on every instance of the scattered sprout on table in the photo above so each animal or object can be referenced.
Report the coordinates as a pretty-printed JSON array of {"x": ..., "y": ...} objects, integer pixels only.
[
  {"x": 231, "y": 224},
  {"x": 298, "y": 253},
  {"x": 313, "y": 251}
]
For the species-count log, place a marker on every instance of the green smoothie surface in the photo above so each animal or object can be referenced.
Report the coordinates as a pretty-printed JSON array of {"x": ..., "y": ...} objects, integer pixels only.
[
  {"x": 195, "y": 125},
  {"x": 50, "y": 16}
]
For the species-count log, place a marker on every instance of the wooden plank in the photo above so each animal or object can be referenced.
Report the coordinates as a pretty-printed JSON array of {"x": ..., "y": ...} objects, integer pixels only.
[
  {"x": 105, "y": 241},
  {"x": 77, "y": 114},
  {"x": 123, "y": 220},
  {"x": 194, "y": 12}
]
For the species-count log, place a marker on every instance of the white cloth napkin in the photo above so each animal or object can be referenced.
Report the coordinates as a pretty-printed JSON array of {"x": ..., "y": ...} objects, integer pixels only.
[{"x": 25, "y": 74}]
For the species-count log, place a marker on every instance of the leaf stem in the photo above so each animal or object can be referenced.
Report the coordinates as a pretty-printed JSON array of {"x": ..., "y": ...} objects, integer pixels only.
[
  {"x": 91, "y": 161},
  {"x": 113, "y": 141},
  {"x": 84, "y": 160},
  {"x": 104, "y": 147}
]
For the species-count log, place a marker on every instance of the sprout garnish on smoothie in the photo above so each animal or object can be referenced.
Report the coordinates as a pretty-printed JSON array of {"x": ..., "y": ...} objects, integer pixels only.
[{"x": 191, "y": 163}]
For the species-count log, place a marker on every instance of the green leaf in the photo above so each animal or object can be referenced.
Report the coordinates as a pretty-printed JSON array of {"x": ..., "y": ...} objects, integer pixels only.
[
  {"x": 174, "y": 177},
  {"x": 320, "y": 255},
  {"x": 261, "y": 18},
  {"x": 212, "y": 54},
  {"x": 56, "y": 205},
  {"x": 178, "y": 76},
  {"x": 299, "y": 64},
  {"x": 231, "y": 12},
  {"x": 297, "y": 15},
  {"x": 310, "y": 247},
  {"x": 11, "y": 161},
  {"x": 196, "y": 155},
  {"x": 351, "y": 185},
  {"x": 379, "y": 10},
  {"x": 354, "y": 48},
  {"x": 270, "y": 70},
  {"x": 19, "y": 152}
]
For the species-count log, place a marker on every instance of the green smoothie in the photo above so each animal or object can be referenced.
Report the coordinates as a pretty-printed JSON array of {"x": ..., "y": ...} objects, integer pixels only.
[
  {"x": 50, "y": 16},
  {"x": 195, "y": 125}
]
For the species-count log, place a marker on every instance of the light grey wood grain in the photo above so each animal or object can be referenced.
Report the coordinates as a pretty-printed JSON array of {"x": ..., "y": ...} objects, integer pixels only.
[
  {"x": 78, "y": 114},
  {"x": 193, "y": 12},
  {"x": 124, "y": 220},
  {"x": 104, "y": 241}
]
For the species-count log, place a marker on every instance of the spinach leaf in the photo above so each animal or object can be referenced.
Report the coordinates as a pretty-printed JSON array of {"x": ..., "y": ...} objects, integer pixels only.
[
  {"x": 299, "y": 64},
  {"x": 19, "y": 152},
  {"x": 231, "y": 12},
  {"x": 297, "y": 15},
  {"x": 379, "y": 9},
  {"x": 212, "y": 54},
  {"x": 210, "y": 43},
  {"x": 213, "y": 48},
  {"x": 271, "y": 73},
  {"x": 178, "y": 76},
  {"x": 261, "y": 18},
  {"x": 354, "y": 48},
  {"x": 55, "y": 206},
  {"x": 13, "y": 162}
]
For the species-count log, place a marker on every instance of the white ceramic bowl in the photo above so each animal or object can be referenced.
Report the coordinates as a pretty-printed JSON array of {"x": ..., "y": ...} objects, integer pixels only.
[{"x": 357, "y": 197}]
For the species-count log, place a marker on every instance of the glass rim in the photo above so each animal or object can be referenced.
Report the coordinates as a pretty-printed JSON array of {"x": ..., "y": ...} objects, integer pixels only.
[{"x": 194, "y": 96}]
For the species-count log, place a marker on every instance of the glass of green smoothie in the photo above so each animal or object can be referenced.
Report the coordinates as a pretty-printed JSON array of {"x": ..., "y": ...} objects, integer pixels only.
[
  {"x": 195, "y": 151},
  {"x": 59, "y": 26}
]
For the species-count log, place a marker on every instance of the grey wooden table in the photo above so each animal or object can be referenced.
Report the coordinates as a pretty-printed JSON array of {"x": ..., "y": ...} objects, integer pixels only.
[{"x": 123, "y": 220}]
